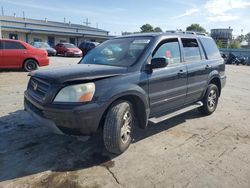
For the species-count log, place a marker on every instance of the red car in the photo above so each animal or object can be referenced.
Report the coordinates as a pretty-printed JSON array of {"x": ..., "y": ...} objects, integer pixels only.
[
  {"x": 18, "y": 54},
  {"x": 68, "y": 49}
]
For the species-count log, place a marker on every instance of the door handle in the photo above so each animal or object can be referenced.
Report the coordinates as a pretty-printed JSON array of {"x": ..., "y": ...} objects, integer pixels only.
[{"x": 208, "y": 67}]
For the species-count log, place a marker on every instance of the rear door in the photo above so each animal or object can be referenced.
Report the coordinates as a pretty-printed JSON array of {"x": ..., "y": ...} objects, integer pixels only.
[
  {"x": 195, "y": 60},
  {"x": 13, "y": 54},
  {"x": 168, "y": 86}
]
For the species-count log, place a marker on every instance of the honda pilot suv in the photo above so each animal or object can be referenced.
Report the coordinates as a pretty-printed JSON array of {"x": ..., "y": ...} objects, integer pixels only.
[{"x": 126, "y": 82}]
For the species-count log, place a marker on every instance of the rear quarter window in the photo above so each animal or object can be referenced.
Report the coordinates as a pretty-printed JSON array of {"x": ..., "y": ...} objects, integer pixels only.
[{"x": 210, "y": 48}]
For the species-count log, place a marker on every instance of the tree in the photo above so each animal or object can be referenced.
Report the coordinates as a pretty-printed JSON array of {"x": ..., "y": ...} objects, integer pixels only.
[
  {"x": 219, "y": 44},
  {"x": 247, "y": 38},
  {"x": 196, "y": 28},
  {"x": 234, "y": 44},
  {"x": 157, "y": 29},
  {"x": 147, "y": 28},
  {"x": 240, "y": 38}
]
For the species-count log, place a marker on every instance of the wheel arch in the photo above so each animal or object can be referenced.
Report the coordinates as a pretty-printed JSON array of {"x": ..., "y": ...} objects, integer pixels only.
[
  {"x": 140, "y": 106},
  {"x": 30, "y": 58},
  {"x": 216, "y": 81}
]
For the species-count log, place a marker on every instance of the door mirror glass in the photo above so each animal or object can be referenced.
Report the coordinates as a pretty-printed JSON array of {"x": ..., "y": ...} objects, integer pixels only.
[{"x": 159, "y": 62}]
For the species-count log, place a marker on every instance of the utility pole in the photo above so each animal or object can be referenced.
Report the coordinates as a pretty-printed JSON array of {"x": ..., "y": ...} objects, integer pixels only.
[
  {"x": 87, "y": 23},
  {"x": 23, "y": 15},
  {"x": 2, "y": 12}
]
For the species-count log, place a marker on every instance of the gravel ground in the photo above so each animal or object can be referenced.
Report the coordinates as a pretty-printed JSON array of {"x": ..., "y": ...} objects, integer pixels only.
[{"x": 185, "y": 151}]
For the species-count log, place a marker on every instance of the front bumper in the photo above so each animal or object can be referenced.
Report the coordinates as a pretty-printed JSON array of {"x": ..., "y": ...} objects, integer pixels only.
[
  {"x": 83, "y": 119},
  {"x": 223, "y": 81}
]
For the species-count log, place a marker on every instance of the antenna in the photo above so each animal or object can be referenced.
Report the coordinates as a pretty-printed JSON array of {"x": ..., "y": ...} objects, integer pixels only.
[
  {"x": 23, "y": 15},
  {"x": 2, "y": 12},
  {"x": 97, "y": 25},
  {"x": 87, "y": 23},
  {"x": 64, "y": 20}
]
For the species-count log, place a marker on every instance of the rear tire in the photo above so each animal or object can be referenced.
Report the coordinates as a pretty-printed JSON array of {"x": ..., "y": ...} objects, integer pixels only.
[
  {"x": 118, "y": 127},
  {"x": 30, "y": 65},
  {"x": 210, "y": 100}
]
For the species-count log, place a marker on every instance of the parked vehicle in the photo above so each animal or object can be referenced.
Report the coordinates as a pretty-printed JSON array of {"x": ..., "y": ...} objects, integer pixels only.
[
  {"x": 128, "y": 81},
  {"x": 68, "y": 49},
  {"x": 44, "y": 45},
  {"x": 248, "y": 61},
  {"x": 87, "y": 46},
  {"x": 16, "y": 54}
]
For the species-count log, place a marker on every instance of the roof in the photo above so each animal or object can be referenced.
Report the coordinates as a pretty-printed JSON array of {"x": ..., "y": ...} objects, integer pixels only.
[
  {"x": 48, "y": 23},
  {"x": 168, "y": 33}
]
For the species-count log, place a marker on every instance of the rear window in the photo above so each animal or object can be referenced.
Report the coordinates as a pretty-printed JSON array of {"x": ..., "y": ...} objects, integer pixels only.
[
  {"x": 10, "y": 45},
  {"x": 210, "y": 48},
  {"x": 191, "y": 49}
]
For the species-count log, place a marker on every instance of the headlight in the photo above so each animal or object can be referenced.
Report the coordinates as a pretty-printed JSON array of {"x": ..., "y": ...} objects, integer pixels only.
[{"x": 76, "y": 93}]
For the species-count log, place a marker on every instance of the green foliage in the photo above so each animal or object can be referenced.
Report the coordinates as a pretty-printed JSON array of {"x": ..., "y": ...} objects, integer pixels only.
[
  {"x": 219, "y": 44},
  {"x": 157, "y": 29},
  {"x": 247, "y": 38},
  {"x": 240, "y": 38},
  {"x": 234, "y": 44},
  {"x": 196, "y": 28},
  {"x": 147, "y": 28}
]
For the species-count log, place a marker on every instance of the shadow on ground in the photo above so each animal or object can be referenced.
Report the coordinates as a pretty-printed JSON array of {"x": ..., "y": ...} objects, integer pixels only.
[{"x": 27, "y": 148}]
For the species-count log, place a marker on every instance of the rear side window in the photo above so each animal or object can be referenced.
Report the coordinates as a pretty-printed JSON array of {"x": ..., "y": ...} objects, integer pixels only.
[
  {"x": 170, "y": 50},
  {"x": 11, "y": 45},
  {"x": 191, "y": 49},
  {"x": 1, "y": 45},
  {"x": 210, "y": 48}
]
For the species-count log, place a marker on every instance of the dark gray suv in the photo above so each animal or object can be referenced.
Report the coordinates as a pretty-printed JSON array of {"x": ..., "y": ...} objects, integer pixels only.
[{"x": 128, "y": 81}]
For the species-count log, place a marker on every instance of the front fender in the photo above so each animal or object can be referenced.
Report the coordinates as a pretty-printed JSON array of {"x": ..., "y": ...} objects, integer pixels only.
[{"x": 142, "y": 103}]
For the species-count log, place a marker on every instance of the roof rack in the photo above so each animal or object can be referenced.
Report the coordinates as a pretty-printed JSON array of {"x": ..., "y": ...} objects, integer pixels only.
[{"x": 187, "y": 32}]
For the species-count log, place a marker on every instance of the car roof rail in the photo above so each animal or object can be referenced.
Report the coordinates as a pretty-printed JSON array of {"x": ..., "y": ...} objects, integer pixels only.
[{"x": 187, "y": 32}]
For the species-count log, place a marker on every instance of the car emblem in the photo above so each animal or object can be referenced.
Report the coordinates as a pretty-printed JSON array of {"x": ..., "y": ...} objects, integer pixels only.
[{"x": 34, "y": 86}]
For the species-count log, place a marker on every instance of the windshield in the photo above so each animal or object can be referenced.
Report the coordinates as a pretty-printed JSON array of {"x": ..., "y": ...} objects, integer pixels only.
[
  {"x": 118, "y": 52},
  {"x": 41, "y": 45},
  {"x": 70, "y": 45}
]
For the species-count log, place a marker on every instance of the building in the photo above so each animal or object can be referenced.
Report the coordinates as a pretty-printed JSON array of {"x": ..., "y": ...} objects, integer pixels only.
[
  {"x": 31, "y": 30},
  {"x": 223, "y": 35}
]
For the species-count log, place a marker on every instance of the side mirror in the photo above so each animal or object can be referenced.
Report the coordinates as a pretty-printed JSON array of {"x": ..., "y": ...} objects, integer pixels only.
[{"x": 159, "y": 62}]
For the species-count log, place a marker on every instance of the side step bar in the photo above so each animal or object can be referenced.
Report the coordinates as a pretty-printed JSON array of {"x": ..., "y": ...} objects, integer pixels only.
[{"x": 156, "y": 120}]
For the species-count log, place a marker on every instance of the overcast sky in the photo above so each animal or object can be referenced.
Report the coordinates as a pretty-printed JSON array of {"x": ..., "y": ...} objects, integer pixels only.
[{"x": 128, "y": 15}]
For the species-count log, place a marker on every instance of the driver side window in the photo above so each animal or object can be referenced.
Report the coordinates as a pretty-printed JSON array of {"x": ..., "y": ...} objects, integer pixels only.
[{"x": 170, "y": 49}]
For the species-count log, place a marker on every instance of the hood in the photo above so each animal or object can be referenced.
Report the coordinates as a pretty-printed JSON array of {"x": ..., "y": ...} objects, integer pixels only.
[{"x": 78, "y": 72}]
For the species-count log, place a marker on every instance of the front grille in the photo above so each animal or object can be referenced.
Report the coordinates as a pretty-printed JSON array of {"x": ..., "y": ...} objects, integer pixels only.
[{"x": 38, "y": 88}]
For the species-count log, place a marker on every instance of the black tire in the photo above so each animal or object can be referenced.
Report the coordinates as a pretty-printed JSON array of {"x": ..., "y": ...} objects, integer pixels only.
[
  {"x": 118, "y": 117},
  {"x": 210, "y": 100},
  {"x": 30, "y": 65}
]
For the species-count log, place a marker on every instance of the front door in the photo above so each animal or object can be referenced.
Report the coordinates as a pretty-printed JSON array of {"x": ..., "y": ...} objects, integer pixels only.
[
  {"x": 168, "y": 86},
  {"x": 72, "y": 40},
  {"x": 51, "y": 41}
]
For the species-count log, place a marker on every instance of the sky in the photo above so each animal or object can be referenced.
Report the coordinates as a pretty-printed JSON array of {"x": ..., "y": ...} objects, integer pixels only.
[{"x": 129, "y": 15}]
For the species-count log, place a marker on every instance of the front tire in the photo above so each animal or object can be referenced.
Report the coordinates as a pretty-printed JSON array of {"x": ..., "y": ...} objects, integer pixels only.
[
  {"x": 210, "y": 100},
  {"x": 30, "y": 65},
  {"x": 118, "y": 127}
]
